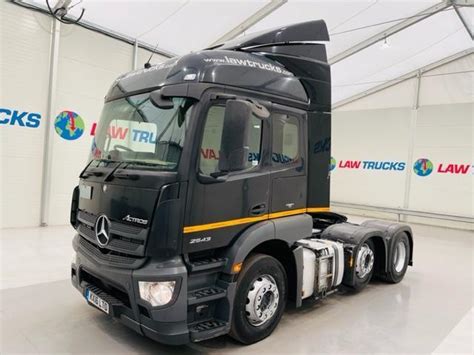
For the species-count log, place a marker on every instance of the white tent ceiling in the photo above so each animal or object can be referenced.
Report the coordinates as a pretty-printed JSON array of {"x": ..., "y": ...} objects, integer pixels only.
[{"x": 181, "y": 26}]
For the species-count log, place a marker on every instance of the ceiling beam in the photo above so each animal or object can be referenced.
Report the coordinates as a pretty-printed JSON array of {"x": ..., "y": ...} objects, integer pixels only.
[
  {"x": 97, "y": 28},
  {"x": 464, "y": 21},
  {"x": 391, "y": 31},
  {"x": 402, "y": 78},
  {"x": 249, "y": 22}
]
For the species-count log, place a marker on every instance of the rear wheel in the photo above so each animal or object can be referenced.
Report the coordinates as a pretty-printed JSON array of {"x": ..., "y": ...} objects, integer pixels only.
[
  {"x": 260, "y": 299},
  {"x": 398, "y": 259},
  {"x": 364, "y": 265}
]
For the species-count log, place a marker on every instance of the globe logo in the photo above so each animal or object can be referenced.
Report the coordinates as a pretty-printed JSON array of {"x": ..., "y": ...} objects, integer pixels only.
[
  {"x": 69, "y": 125},
  {"x": 423, "y": 167},
  {"x": 332, "y": 164}
]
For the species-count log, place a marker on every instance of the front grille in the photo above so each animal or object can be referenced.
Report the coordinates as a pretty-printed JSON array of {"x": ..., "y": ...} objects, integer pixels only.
[
  {"x": 124, "y": 244},
  {"x": 125, "y": 228},
  {"x": 124, "y": 238},
  {"x": 88, "y": 218},
  {"x": 109, "y": 257}
]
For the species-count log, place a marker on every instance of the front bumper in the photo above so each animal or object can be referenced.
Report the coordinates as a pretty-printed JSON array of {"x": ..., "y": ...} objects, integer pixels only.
[{"x": 119, "y": 287}]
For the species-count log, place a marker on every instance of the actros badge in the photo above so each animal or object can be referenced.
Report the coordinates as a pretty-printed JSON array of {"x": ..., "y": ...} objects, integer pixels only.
[{"x": 129, "y": 218}]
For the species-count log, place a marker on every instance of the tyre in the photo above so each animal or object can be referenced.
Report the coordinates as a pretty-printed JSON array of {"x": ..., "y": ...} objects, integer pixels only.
[
  {"x": 364, "y": 265},
  {"x": 398, "y": 262},
  {"x": 260, "y": 299}
]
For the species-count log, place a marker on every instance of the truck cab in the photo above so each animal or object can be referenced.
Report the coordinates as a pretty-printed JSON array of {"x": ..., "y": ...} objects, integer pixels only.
[{"x": 204, "y": 206}]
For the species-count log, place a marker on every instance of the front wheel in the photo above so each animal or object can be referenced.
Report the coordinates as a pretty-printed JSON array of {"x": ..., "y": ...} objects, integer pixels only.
[{"x": 260, "y": 299}]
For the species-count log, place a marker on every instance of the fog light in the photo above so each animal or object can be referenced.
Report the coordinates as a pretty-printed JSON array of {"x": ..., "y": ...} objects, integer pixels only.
[{"x": 156, "y": 293}]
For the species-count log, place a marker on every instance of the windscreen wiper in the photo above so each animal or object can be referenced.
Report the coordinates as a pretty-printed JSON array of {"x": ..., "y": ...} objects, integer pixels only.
[
  {"x": 129, "y": 176},
  {"x": 85, "y": 173},
  {"x": 143, "y": 163},
  {"x": 126, "y": 176}
]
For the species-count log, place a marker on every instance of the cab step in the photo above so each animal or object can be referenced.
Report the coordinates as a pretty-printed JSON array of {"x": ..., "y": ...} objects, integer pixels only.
[
  {"x": 206, "y": 295},
  {"x": 208, "y": 329},
  {"x": 207, "y": 264}
]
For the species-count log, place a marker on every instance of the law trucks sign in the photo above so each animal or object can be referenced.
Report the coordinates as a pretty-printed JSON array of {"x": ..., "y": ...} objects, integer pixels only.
[{"x": 422, "y": 167}]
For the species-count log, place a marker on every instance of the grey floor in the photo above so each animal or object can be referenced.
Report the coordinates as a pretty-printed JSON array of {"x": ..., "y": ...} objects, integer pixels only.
[{"x": 430, "y": 311}]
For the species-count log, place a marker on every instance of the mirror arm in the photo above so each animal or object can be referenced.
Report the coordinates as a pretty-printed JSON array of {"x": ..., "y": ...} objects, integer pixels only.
[
  {"x": 219, "y": 174},
  {"x": 210, "y": 179},
  {"x": 160, "y": 101}
]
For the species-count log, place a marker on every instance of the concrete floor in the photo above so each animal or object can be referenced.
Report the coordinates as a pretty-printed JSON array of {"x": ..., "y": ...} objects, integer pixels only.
[{"x": 431, "y": 310}]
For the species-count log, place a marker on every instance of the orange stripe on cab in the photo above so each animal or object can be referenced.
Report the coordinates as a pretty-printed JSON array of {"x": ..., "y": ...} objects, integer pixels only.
[{"x": 246, "y": 220}]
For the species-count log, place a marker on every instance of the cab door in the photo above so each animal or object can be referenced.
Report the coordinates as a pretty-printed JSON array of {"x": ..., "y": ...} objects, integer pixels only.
[
  {"x": 288, "y": 162},
  {"x": 220, "y": 206}
]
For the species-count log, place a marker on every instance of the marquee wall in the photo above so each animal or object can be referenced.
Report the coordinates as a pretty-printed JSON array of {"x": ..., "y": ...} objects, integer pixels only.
[
  {"x": 87, "y": 65},
  {"x": 377, "y": 129}
]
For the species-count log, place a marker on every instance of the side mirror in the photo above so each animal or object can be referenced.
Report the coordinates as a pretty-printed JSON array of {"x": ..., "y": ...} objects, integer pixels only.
[
  {"x": 233, "y": 154},
  {"x": 160, "y": 101}
]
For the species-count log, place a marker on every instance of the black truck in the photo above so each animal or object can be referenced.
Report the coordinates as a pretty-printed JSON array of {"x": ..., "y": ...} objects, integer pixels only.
[{"x": 204, "y": 207}]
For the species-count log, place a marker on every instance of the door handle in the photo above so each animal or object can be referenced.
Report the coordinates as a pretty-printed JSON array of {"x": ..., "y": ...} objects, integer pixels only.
[{"x": 258, "y": 209}]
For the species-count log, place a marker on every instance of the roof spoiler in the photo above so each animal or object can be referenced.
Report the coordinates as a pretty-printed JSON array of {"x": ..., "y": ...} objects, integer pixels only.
[
  {"x": 295, "y": 40},
  {"x": 309, "y": 31}
]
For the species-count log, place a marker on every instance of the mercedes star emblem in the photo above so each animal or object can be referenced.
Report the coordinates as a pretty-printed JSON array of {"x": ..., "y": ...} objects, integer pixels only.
[{"x": 102, "y": 230}]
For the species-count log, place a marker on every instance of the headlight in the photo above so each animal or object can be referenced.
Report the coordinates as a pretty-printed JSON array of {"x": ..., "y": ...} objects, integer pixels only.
[{"x": 156, "y": 293}]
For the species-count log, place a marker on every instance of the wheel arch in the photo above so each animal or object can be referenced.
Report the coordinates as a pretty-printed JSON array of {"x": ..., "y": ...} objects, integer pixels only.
[
  {"x": 389, "y": 230},
  {"x": 275, "y": 238},
  {"x": 353, "y": 236},
  {"x": 281, "y": 251}
]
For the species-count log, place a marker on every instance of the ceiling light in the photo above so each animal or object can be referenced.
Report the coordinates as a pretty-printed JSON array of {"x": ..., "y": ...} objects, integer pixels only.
[{"x": 385, "y": 43}]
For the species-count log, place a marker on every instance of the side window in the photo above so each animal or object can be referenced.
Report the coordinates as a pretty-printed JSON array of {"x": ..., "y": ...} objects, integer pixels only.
[
  {"x": 285, "y": 147},
  {"x": 212, "y": 137}
]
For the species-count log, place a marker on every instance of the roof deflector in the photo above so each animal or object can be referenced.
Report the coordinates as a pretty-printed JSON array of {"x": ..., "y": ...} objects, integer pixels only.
[{"x": 310, "y": 31}]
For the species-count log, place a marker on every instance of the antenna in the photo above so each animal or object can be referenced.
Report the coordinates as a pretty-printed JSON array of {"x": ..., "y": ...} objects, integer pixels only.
[{"x": 147, "y": 64}]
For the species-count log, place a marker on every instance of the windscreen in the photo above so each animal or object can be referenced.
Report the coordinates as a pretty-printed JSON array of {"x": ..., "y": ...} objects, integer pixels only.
[{"x": 134, "y": 130}]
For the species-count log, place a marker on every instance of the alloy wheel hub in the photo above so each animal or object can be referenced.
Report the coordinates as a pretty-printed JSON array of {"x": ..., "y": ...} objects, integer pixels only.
[
  {"x": 364, "y": 261},
  {"x": 262, "y": 300}
]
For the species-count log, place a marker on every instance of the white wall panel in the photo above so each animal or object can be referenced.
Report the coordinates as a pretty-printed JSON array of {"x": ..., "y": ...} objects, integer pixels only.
[
  {"x": 444, "y": 135},
  {"x": 369, "y": 135},
  {"x": 24, "y": 63},
  {"x": 400, "y": 95},
  {"x": 88, "y": 64},
  {"x": 451, "y": 83}
]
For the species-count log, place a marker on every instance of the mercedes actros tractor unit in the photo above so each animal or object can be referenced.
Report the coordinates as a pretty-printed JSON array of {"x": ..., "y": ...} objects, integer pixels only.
[{"x": 204, "y": 207}]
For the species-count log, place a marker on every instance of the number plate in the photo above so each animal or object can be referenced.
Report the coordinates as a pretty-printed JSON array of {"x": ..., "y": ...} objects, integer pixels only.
[{"x": 97, "y": 301}]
